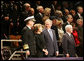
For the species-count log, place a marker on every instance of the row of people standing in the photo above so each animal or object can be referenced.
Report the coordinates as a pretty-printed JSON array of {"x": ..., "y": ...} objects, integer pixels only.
[{"x": 45, "y": 42}]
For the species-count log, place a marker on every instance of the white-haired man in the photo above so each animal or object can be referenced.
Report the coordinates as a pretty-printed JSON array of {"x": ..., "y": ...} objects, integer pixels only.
[{"x": 68, "y": 42}]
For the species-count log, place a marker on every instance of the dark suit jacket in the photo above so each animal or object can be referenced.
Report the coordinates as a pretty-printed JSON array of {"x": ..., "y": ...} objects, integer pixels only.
[
  {"x": 40, "y": 44},
  {"x": 68, "y": 44},
  {"x": 28, "y": 38},
  {"x": 77, "y": 16},
  {"x": 38, "y": 18},
  {"x": 56, "y": 31},
  {"x": 23, "y": 15},
  {"x": 52, "y": 46}
]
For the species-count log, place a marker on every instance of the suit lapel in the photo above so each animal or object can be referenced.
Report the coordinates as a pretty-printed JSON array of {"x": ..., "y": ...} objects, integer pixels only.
[{"x": 71, "y": 39}]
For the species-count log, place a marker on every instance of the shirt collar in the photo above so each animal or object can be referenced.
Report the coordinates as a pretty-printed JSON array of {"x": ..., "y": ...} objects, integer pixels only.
[
  {"x": 69, "y": 33},
  {"x": 28, "y": 27},
  {"x": 68, "y": 22},
  {"x": 48, "y": 29}
]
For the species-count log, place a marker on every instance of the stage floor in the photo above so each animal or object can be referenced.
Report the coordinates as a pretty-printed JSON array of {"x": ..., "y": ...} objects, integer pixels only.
[{"x": 56, "y": 58}]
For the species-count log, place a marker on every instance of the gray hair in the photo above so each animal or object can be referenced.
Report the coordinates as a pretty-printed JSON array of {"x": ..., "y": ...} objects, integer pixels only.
[
  {"x": 48, "y": 20},
  {"x": 68, "y": 26}
]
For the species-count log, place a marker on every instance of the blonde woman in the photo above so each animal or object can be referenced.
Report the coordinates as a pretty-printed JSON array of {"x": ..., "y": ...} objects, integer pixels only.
[
  {"x": 47, "y": 12},
  {"x": 40, "y": 42}
]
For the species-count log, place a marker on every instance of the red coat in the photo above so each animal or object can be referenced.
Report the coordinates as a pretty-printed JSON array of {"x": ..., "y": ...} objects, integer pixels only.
[{"x": 75, "y": 34}]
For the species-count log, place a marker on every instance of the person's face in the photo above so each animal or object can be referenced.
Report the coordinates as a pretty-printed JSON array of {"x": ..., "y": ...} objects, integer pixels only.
[
  {"x": 80, "y": 10},
  {"x": 73, "y": 12},
  {"x": 70, "y": 19},
  {"x": 41, "y": 10},
  {"x": 74, "y": 26},
  {"x": 32, "y": 11},
  {"x": 70, "y": 30},
  {"x": 54, "y": 21},
  {"x": 38, "y": 2},
  {"x": 48, "y": 25},
  {"x": 40, "y": 29},
  {"x": 54, "y": 2},
  {"x": 28, "y": 7},
  {"x": 80, "y": 23},
  {"x": 31, "y": 23},
  {"x": 66, "y": 12}
]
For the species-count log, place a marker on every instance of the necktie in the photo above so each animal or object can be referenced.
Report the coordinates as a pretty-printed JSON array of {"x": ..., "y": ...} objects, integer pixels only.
[{"x": 51, "y": 34}]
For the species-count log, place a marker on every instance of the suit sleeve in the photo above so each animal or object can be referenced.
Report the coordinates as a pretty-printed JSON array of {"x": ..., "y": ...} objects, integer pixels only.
[
  {"x": 25, "y": 40},
  {"x": 65, "y": 44}
]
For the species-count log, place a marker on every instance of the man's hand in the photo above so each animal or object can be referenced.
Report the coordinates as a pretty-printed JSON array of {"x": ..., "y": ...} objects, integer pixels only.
[
  {"x": 57, "y": 53},
  {"x": 67, "y": 55},
  {"x": 46, "y": 52},
  {"x": 28, "y": 52}
]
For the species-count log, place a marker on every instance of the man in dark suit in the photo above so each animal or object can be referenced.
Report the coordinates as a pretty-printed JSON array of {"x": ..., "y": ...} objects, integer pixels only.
[
  {"x": 54, "y": 27},
  {"x": 69, "y": 21},
  {"x": 28, "y": 37},
  {"x": 80, "y": 34},
  {"x": 79, "y": 14},
  {"x": 24, "y": 14},
  {"x": 50, "y": 39},
  {"x": 68, "y": 42},
  {"x": 40, "y": 15}
]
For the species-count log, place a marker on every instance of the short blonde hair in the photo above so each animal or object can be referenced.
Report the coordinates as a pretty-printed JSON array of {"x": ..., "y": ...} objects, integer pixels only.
[{"x": 47, "y": 11}]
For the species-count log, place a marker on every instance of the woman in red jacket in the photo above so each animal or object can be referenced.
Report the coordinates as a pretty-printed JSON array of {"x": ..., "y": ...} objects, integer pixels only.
[{"x": 75, "y": 34}]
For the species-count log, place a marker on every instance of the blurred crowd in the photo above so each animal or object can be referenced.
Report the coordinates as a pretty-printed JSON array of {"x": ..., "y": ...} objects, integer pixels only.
[{"x": 61, "y": 13}]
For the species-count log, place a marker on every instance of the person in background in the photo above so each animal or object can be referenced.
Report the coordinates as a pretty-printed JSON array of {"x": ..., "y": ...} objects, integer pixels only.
[
  {"x": 75, "y": 34},
  {"x": 47, "y": 12},
  {"x": 79, "y": 14},
  {"x": 54, "y": 26},
  {"x": 69, "y": 21},
  {"x": 59, "y": 15},
  {"x": 80, "y": 34},
  {"x": 32, "y": 11},
  {"x": 40, "y": 42},
  {"x": 73, "y": 13},
  {"x": 65, "y": 13},
  {"x": 39, "y": 15},
  {"x": 60, "y": 34},
  {"x": 50, "y": 38},
  {"x": 24, "y": 14},
  {"x": 76, "y": 37}
]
